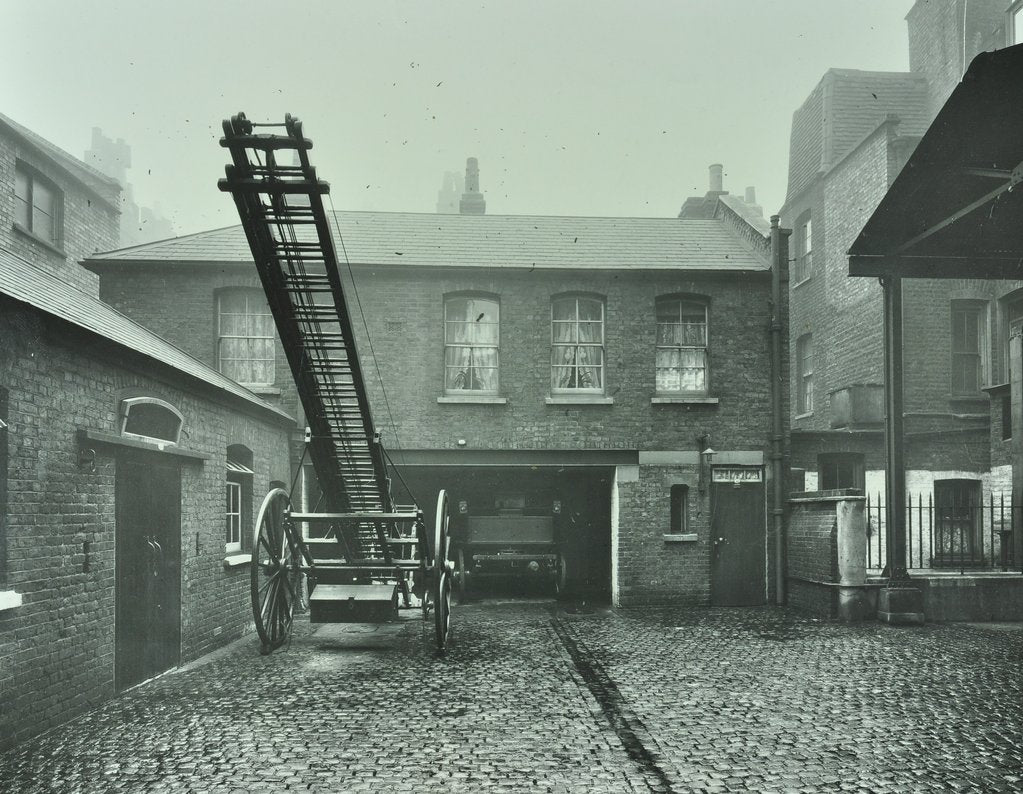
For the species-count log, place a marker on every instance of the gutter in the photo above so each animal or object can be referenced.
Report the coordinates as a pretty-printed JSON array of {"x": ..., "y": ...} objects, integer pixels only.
[{"x": 779, "y": 273}]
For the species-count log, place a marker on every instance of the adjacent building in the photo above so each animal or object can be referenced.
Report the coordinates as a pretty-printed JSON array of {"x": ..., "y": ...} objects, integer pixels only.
[
  {"x": 129, "y": 471},
  {"x": 849, "y": 140}
]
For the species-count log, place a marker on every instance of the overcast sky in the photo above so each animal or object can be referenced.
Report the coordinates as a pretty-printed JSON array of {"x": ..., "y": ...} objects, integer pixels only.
[{"x": 573, "y": 107}]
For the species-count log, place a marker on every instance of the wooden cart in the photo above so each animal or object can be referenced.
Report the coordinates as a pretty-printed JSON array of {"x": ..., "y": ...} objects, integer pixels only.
[{"x": 371, "y": 555}]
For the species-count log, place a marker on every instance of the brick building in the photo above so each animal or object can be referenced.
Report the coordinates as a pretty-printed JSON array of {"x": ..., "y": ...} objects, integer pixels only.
[
  {"x": 118, "y": 559},
  {"x": 849, "y": 140},
  {"x": 611, "y": 372}
]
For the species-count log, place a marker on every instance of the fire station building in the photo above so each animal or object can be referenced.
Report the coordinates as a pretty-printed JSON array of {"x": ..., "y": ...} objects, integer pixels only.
[{"x": 613, "y": 374}]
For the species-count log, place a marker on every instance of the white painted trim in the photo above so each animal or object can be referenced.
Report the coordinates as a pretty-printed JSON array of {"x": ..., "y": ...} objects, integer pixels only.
[
  {"x": 478, "y": 399},
  {"x": 753, "y": 457},
  {"x": 578, "y": 399},
  {"x": 686, "y": 457},
  {"x": 680, "y": 400},
  {"x": 688, "y": 537},
  {"x": 234, "y": 560},
  {"x": 10, "y": 600}
]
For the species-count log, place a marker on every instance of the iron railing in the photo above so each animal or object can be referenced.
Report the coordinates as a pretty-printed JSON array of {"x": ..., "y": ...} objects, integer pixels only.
[{"x": 973, "y": 534}]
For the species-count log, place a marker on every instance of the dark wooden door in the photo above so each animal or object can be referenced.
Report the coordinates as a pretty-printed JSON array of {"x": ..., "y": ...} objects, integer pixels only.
[
  {"x": 738, "y": 538},
  {"x": 148, "y": 570}
]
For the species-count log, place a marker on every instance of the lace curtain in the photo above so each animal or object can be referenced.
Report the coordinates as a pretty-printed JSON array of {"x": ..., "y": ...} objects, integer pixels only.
[
  {"x": 681, "y": 347},
  {"x": 577, "y": 351},
  {"x": 471, "y": 339}
]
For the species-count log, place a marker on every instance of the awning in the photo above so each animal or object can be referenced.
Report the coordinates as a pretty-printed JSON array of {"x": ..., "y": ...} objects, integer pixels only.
[
  {"x": 953, "y": 211},
  {"x": 235, "y": 467}
]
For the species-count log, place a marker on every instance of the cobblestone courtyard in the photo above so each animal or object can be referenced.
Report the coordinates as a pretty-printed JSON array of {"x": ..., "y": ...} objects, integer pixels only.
[{"x": 534, "y": 697}]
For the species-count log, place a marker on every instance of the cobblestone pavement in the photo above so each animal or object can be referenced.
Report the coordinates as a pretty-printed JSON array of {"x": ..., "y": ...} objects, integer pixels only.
[{"x": 532, "y": 697}]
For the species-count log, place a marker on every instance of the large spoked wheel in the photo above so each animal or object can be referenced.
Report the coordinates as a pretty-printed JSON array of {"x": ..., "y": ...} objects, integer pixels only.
[
  {"x": 461, "y": 577},
  {"x": 561, "y": 578},
  {"x": 275, "y": 572},
  {"x": 441, "y": 574}
]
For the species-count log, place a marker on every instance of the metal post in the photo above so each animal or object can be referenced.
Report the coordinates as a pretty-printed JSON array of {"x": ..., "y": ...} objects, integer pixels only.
[
  {"x": 900, "y": 601},
  {"x": 1016, "y": 404},
  {"x": 894, "y": 434}
]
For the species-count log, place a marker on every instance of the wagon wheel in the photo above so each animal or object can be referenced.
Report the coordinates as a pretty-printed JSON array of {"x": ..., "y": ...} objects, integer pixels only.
[
  {"x": 441, "y": 573},
  {"x": 461, "y": 578},
  {"x": 561, "y": 577},
  {"x": 274, "y": 572}
]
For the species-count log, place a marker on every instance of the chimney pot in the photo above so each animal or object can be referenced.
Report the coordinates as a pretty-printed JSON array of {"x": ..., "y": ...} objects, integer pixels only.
[
  {"x": 751, "y": 195},
  {"x": 716, "y": 178}
]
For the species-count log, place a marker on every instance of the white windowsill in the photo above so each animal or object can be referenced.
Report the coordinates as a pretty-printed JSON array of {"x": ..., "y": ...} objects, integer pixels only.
[
  {"x": 803, "y": 416},
  {"x": 801, "y": 283},
  {"x": 233, "y": 560},
  {"x": 682, "y": 399},
  {"x": 266, "y": 391},
  {"x": 579, "y": 399},
  {"x": 9, "y": 600},
  {"x": 473, "y": 399},
  {"x": 689, "y": 537}
]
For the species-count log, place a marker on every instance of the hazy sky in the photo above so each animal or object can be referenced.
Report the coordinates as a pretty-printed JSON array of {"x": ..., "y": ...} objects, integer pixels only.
[{"x": 573, "y": 107}]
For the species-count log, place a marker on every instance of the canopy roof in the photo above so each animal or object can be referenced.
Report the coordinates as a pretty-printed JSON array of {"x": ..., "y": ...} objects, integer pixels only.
[{"x": 953, "y": 211}]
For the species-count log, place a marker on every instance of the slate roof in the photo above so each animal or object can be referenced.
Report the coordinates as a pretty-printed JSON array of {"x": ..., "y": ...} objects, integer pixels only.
[
  {"x": 28, "y": 284},
  {"x": 493, "y": 241},
  {"x": 104, "y": 186},
  {"x": 845, "y": 106}
]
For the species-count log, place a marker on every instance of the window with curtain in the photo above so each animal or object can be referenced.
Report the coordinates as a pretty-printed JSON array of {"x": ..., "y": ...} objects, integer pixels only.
[
  {"x": 471, "y": 344},
  {"x": 681, "y": 365},
  {"x": 37, "y": 205},
  {"x": 577, "y": 344},
  {"x": 245, "y": 347}
]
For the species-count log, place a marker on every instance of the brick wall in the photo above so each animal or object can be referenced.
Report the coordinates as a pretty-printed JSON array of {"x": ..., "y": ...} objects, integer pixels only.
[
  {"x": 90, "y": 221},
  {"x": 940, "y": 48},
  {"x": 651, "y": 569},
  {"x": 57, "y": 649}
]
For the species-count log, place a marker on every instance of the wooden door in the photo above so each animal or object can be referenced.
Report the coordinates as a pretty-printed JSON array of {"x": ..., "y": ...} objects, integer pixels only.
[
  {"x": 738, "y": 538},
  {"x": 148, "y": 570}
]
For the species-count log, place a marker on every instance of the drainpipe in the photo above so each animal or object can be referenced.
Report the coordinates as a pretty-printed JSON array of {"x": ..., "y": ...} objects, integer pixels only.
[{"x": 779, "y": 279}]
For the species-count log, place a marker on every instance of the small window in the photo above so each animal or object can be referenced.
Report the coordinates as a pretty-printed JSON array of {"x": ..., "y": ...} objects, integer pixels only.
[
  {"x": 38, "y": 205},
  {"x": 802, "y": 264},
  {"x": 471, "y": 345},
  {"x": 840, "y": 470},
  {"x": 151, "y": 419},
  {"x": 968, "y": 344},
  {"x": 239, "y": 498},
  {"x": 681, "y": 365},
  {"x": 1006, "y": 417},
  {"x": 804, "y": 374},
  {"x": 679, "y": 510},
  {"x": 245, "y": 337},
  {"x": 577, "y": 345}
]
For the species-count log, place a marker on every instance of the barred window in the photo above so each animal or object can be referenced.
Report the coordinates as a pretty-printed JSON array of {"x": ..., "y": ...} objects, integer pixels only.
[
  {"x": 577, "y": 344},
  {"x": 245, "y": 346},
  {"x": 802, "y": 266},
  {"x": 681, "y": 365},
  {"x": 804, "y": 374},
  {"x": 471, "y": 344}
]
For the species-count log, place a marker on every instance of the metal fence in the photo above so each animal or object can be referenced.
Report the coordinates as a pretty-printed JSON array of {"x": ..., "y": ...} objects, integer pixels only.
[{"x": 969, "y": 534}]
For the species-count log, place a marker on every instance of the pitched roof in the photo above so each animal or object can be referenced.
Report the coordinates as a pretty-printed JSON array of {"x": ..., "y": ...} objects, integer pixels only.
[
  {"x": 493, "y": 241},
  {"x": 845, "y": 106},
  {"x": 102, "y": 185},
  {"x": 28, "y": 284}
]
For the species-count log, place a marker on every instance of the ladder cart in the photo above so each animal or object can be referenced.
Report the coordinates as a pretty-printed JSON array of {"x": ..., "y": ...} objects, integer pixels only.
[{"x": 369, "y": 554}]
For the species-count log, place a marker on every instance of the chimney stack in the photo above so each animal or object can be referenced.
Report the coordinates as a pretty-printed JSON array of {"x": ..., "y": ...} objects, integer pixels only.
[
  {"x": 751, "y": 195},
  {"x": 716, "y": 178},
  {"x": 472, "y": 202}
]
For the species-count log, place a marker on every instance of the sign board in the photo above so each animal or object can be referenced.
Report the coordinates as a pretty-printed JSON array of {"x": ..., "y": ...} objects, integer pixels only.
[{"x": 737, "y": 474}]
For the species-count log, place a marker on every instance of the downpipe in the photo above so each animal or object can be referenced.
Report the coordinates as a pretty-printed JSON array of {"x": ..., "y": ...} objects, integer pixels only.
[{"x": 779, "y": 280}]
